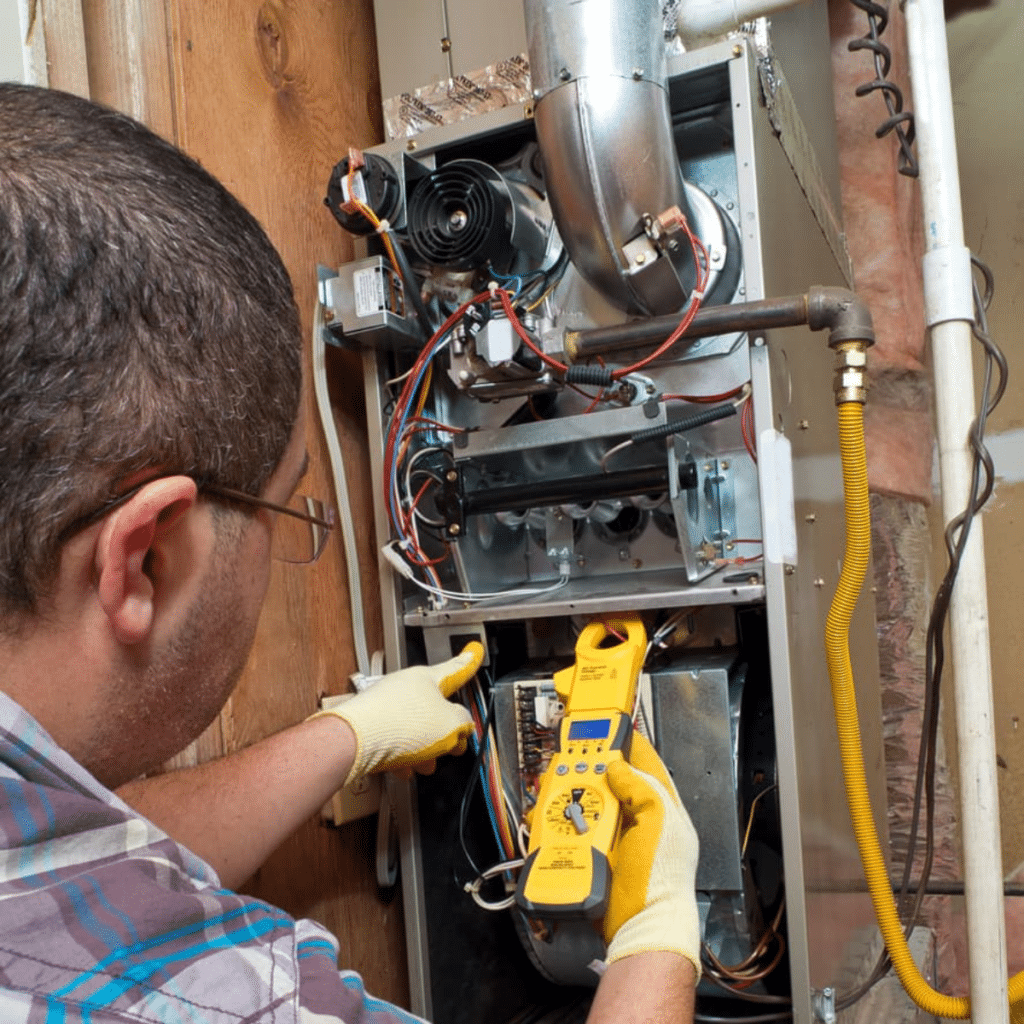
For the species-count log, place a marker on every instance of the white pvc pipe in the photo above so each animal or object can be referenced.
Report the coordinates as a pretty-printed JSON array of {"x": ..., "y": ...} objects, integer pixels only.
[
  {"x": 949, "y": 310},
  {"x": 699, "y": 20}
]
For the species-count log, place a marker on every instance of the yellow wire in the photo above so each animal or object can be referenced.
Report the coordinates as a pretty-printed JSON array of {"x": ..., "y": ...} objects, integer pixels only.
[
  {"x": 372, "y": 218},
  {"x": 837, "y": 646}
]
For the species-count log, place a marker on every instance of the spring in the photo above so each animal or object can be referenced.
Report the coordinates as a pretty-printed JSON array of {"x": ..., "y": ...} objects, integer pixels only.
[{"x": 899, "y": 121}]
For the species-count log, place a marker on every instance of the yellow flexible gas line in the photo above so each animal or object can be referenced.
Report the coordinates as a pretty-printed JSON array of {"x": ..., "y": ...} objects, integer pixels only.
[{"x": 837, "y": 647}]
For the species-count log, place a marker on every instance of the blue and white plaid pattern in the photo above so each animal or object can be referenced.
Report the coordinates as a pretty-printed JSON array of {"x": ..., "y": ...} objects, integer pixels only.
[{"x": 106, "y": 920}]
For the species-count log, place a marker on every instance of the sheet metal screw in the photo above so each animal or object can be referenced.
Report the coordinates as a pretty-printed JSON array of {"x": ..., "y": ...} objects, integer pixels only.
[
  {"x": 446, "y": 45},
  {"x": 451, "y": 476},
  {"x": 565, "y": 74},
  {"x": 455, "y": 529}
]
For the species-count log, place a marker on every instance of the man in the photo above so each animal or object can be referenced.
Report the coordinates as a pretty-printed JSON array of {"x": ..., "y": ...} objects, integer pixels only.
[{"x": 151, "y": 442}]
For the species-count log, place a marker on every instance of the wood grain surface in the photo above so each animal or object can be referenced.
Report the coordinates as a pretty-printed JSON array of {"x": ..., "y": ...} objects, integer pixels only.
[{"x": 268, "y": 95}]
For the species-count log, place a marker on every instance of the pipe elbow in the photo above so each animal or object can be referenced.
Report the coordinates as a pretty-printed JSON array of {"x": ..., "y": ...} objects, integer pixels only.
[{"x": 843, "y": 313}]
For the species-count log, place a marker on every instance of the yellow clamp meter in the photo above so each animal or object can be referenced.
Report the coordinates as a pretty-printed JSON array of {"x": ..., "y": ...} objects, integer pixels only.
[{"x": 571, "y": 855}]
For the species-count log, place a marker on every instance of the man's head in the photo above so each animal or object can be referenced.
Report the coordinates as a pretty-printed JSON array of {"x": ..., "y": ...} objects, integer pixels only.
[
  {"x": 147, "y": 326},
  {"x": 148, "y": 335}
]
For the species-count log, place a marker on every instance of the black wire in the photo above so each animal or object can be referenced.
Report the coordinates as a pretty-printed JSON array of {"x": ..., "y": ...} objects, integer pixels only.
[
  {"x": 899, "y": 121},
  {"x": 763, "y": 1018},
  {"x": 955, "y": 537},
  {"x": 473, "y": 781},
  {"x": 427, "y": 326},
  {"x": 750, "y": 997}
]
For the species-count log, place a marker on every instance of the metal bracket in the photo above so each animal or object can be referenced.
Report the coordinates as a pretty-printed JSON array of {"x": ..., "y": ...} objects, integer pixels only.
[
  {"x": 558, "y": 538},
  {"x": 824, "y": 1005}
]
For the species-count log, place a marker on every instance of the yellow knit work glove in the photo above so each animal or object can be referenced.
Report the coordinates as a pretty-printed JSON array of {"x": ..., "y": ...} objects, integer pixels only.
[
  {"x": 652, "y": 904},
  {"x": 405, "y": 718}
]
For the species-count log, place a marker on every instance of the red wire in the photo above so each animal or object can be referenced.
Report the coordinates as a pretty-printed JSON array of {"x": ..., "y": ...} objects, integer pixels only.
[
  {"x": 408, "y": 390},
  {"x": 708, "y": 399},
  {"x": 703, "y": 275},
  {"x": 747, "y": 429}
]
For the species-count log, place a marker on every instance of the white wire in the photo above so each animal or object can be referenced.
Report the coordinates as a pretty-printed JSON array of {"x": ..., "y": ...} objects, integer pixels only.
[
  {"x": 611, "y": 451},
  {"x": 457, "y": 595},
  {"x": 398, "y": 380},
  {"x": 341, "y": 494},
  {"x": 408, "y": 483},
  {"x": 523, "y": 836},
  {"x": 473, "y": 888}
]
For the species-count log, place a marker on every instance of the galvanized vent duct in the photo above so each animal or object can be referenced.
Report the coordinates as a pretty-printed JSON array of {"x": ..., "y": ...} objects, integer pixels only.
[{"x": 600, "y": 84}]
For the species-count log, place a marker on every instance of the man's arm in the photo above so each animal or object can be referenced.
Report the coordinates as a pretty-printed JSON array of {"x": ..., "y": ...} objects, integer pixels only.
[
  {"x": 651, "y": 926},
  {"x": 235, "y": 811},
  {"x": 647, "y": 988}
]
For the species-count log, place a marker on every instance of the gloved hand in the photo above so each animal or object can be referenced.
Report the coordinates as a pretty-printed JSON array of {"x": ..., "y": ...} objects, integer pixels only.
[
  {"x": 652, "y": 904},
  {"x": 405, "y": 718}
]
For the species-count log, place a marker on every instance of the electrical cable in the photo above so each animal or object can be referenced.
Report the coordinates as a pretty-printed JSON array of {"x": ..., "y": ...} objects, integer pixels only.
[
  {"x": 341, "y": 495},
  {"x": 467, "y": 794},
  {"x": 979, "y": 494},
  {"x": 473, "y": 888},
  {"x": 764, "y": 1018},
  {"x": 900, "y": 121}
]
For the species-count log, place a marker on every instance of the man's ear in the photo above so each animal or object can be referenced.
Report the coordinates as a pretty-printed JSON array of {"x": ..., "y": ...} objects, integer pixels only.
[{"x": 128, "y": 537}]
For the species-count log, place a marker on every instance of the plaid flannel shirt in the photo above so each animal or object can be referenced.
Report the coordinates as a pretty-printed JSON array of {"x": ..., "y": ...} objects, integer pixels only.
[{"x": 104, "y": 918}]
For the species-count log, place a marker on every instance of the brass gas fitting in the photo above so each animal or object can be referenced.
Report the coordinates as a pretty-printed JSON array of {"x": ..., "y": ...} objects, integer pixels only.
[{"x": 851, "y": 384}]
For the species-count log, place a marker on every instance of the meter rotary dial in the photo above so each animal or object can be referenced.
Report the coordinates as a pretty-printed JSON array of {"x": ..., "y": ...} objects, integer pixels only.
[{"x": 574, "y": 811}]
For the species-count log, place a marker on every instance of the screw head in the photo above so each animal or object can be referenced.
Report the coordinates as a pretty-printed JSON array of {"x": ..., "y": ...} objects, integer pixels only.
[
  {"x": 451, "y": 476},
  {"x": 810, "y": 517},
  {"x": 790, "y": 569},
  {"x": 564, "y": 74},
  {"x": 737, "y": 50},
  {"x": 641, "y": 258},
  {"x": 328, "y": 314},
  {"x": 638, "y": 73},
  {"x": 454, "y": 529},
  {"x": 804, "y": 424},
  {"x": 410, "y": 145},
  {"x": 638, "y": 563},
  {"x": 446, "y": 45}
]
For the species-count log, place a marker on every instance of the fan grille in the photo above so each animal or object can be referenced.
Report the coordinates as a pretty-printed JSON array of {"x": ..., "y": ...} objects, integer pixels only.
[{"x": 457, "y": 219}]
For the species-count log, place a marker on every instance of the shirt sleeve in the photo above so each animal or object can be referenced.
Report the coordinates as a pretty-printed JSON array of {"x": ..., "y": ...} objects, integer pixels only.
[{"x": 327, "y": 995}]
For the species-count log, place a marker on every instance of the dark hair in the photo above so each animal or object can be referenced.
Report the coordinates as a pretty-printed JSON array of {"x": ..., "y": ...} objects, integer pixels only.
[{"x": 145, "y": 321}]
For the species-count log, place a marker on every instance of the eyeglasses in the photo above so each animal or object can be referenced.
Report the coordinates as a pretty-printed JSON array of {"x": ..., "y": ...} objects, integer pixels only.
[{"x": 299, "y": 537}]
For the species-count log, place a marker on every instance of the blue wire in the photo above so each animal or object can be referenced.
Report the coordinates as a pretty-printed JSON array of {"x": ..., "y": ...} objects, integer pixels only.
[
  {"x": 401, "y": 429},
  {"x": 483, "y": 786}
]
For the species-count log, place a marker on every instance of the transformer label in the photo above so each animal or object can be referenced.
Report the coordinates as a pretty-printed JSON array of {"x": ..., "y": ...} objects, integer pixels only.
[{"x": 368, "y": 291}]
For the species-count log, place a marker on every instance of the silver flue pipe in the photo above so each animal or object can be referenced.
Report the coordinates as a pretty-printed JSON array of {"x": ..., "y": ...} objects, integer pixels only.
[{"x": 600, "y": 83}]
